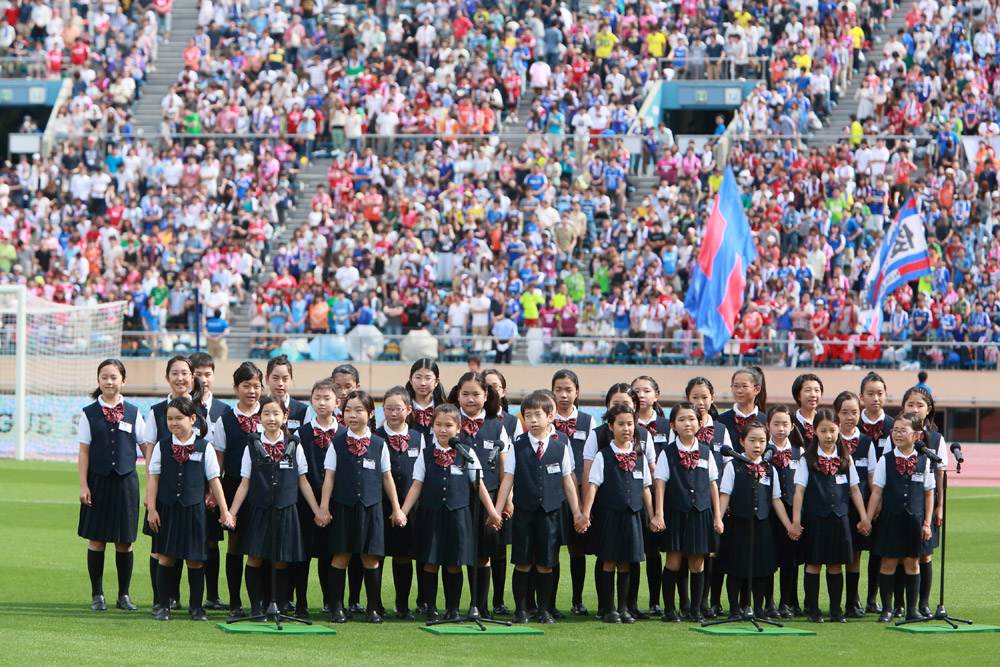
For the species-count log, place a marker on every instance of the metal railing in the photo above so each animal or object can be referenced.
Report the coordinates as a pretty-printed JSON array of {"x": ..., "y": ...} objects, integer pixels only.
[{"x": 723, "y": 68}]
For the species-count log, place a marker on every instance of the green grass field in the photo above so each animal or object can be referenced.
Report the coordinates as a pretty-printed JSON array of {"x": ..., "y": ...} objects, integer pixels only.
[{"x": 45, "y": 616}]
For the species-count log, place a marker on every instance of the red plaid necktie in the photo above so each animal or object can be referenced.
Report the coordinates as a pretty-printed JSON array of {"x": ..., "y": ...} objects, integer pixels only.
[
  {"x": 706, "y": 434},
  {"x": 626, "y": 461},
  {"x": 399, "y": 442},
  {"x": 829, "y": 465},
  {"x": 689, "y": 459},
  {"x": 357, "y": 446},
  {"x": 808, "y": 429},
  {"x": 322, "y": 437},
  {"x": 182, "y": 452},
  {"x": 339, "y": 416},
  {"x": 275, "y": 451},
  {"x": 567, "y": 426},
  {"x": 781, "y": 458},
  {"x": 471, "y": 426},
  {"x": 852, "y": 444},
  {"x": 115, "y": 414},
  {"x": 424, "y": 417},
  {"x": 906, "y": 466},
  {"x": 758, "y": 470},
  {"x": 742, "y": 421},
  {"x": 873, "y": 431},
  {"x": 651, "y": 427},
  {"x": 248, "y": 423},
  {"x": 444, "y": 457}
]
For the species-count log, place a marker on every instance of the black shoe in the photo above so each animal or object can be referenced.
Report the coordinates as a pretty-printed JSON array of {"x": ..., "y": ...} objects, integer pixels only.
[
  {"x": 885, "y": 617},
  {"x": 337, "y": 615},
  {"x": 237, "y": 613},
  {"x": 815, "y": 616},
  {"x": 432, "y": 616},
  {"x": 925, "y": 611},
  {"x": 356, "y": 608},
  {"x": 784, "y": 611},
  {"x": 638, "y": 614},
  {"x": 162, "y": 614},
  {"x": 735, "y": 615},
  {"x": 174, "y": 605},
  {"x": 671, "y": 616},
  {"x": 288, "y": 609},
  {"x": 914, "y": 615},
  {"x": 556, "y": 614},
  {"x": 97, "y": 603},
  {"x": 771, "y": 611},
  {"x": 873, "y": 608},
  {"x": 656, "y": 610},
  {"x": 125, "y": 602},
  {"x": 837, "y": 616},
  {"x": 855, "y": 612},
  {"x": 714, "y": 611},
  {"x": 301, "y": 612},
  {"x": 898, "y": 612},
  {"x": 216, "y": 604},
  {"x": 759, "y": 614},
  {"x": 626, "y": 617},
  {"x": 501, "y": 610},
  {"x": 198, "y": 614},
  {"x": 796, "y": 609},
  {"x": 520, "y": 617},
  {"x": 599, "y": 615},
  {"x": 533, "y": 613},
  {"x": 485, "y": 613},
  {"x": 545, "y": 617},
  {"x": 612, "y": 617},
  {"x": 404, "y": 614},
  {"x": 326, "y": 608},
  {"x": 697, "y": 617},
  {"x": 256, "y": 610},
  {"x": 421, "y": 608},
  {"x": 685, "y": 613},
  {"x": 451, "y": 615},
  {"x": 374, "y": 617},
  {"x": 579, "y": 610}
]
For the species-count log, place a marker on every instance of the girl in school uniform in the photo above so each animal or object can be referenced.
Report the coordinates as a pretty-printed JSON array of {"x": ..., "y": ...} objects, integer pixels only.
[
  {"x": 279, "y": 383},
  {"x": 877, "y": 425},
  {"x": 511, "y": 423},
  {"x": 109, "y": 483},
  {"x": 346, "y": 379},
  {"x": 752, "y": 497},
  {"x": 426, "y": 392},
  {"x": 230, "y": 438},
  {"x": 919, "y": 401},
  {"x": 362, "y": 459},
  {"x": 785, "y": 460},
  {"x": 179, "y": 467},
  {"x": 445, "y": 515},
  {"x": 687, "y": 502},
  {"x": 847, "y": 406},
  {"x": 404, "y": 445},
  {"x": 750, "y": 393},
  {"x": 824, "y": 488},
  {"x": 617, "y": 492},
  {"x": 576, "y": 426},
  {"x": 255, "y": 489},
  {"x": 902, "y": 496},
  {"x": 807, "y": 390},
  {"x": 315, "y": 438}
]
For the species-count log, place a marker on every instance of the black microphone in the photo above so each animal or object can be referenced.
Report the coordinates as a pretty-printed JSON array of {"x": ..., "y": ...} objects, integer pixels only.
[
  {"x": 495, "y": 454},
  {"x": 726, "y": 450},
  {"x": 768, "y": 454},
  {"x": 926, "y": 451},
  {"x": 462, "y": 450},
  {"x": 956, "y": 452}
]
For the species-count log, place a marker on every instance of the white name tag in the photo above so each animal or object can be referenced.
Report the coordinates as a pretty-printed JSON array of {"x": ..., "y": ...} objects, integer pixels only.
[
  {"x": 285, "y": 464},
  {"x": 917, "y": 477},
  {"x": 580, "y": 435},
  {"x": 637, "y": 474},
  {"x": 196, "y": 456},
  {"x": 368, "y": 464},
  {"x": 294, "y": 424},
  {"x": 703, "y": 463},
  {"x": 793, "y": 464},
  {"x": 861, "y": 463},
  {"x": 455, "y": 470},
  {"x": 412, "y": 453},
  {"x": 552, "y": 468},
  {"x": 840, "y": 479},
  {"x": 766, "y": 481},
  {"x": 124, "y": 427},
  {"x": 660, "y": 437}
]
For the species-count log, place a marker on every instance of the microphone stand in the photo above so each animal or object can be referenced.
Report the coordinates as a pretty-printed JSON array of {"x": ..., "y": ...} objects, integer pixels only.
[
  {"x": 473, "y": 615},
  {"x": 941, "y": 614},
  {"x": 272, "y": 613}
]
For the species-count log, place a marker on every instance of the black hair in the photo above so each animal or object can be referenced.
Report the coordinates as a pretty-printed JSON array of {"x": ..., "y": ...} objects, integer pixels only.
[
  {"x": 367, "y": 401},
  {"x": 280, "y": 360},
  {"x": 325, "y": 383},
  {"x": 405, "y": 395},
  {"x": 913, "y": 419},
  {"x": 926, "y": 395},
  {"x": 657, "y": 408},
  {"x": 450, "y": 410},
  {"x": 492, "y": 405},
  {"x": 567, "y": 374},
  {"x": 751, "y": 425},
  {"x": 811, "y": 453},
  {"x": 800, "y": 382},
  {"x": 922, "y": 376},
  {"x": 538, "y": 400},
  {"x": 504, "y": 403},
  {"x": 107, "y": 362},
  {"x": 757, "y": 377},
  {"x": 620, "y": 388},
  {"x": 438, "y": 395},
  {"x": 871, "y": 377},
  {"x": 270, "y": 398},
  {"x": 196, "y": 391},
  {"x": 682, "y": 405},
  {"x": 347, "y": 369},
  {"x": 189, "y": 408},
  {"x": 702, "y": 381},
  {"x": 794, "y": 437},
  {"x": 245, "y": 372},
  {"x": 614, "y": 411},
  {"x": 844, "y": 397},
  {"x": 202, "y": 360}
]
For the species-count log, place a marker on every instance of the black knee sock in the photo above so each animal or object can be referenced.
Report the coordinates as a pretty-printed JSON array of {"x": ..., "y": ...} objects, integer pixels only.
[
  {"x": 499, "y": 574},
  {"x": 545, "y": 581},
  {"x": 790, "y": 586},
  {"x": 154, "y": 569},
  {"x": 759, "y": 587},
  {"x": 605, "y": 584},
  {"x": 430, "y": 580},
  {"x": 323, "y": 573},
  {"x": 874, "y": 565},
  {"x": 926, "y": 581},
  {"x": 852, "y": 579},
  {"x": 234, "y": 578},
  {"x": 654, "y": 577},
  {"x": 697, "y": 590},
  {"x": 733, "y": 587},
  {"x": 886, "y": 585},
  {"x": 452, "y": 589},
  {"x": 769, "y": 592},
  {"x": 373, "y": 588},
  {"x": 635, "y": 576},
  {"x": 718, "y": 577},
  {"x": 625, "y": 590},
  {"x": 164, "y": 581},
  {"x": 301, "y": 573},
  {"x": 899, "y": 587},
  {"x": 598, "y": 568},
  {"x": 810, "y": 586},
  {"x": 196, "y": 587},
  {"x": 421, "y": 598},
  {"x": 402, "y": 582},
  {"x": 744, "y": 592},
  {"x": 532, "y": 595},
  {"x": 519, "y": 584},
  {"x": 913, "y": 585},
  {"x": 123, "y": 564},
  {"x": 550, "y": 599},
  {"x": 211, "y": 567},
  {"x": 669, "y": 583},
  {"x": 282, "y": 577},
  {"x": 265, "y": 583},
  {"x": 483, "y": 577},
  {"x": 683, "y": 584},
  {"x": 337, "y": 579},
  {"x": 355, "y": 577},
  {"x": 578, "y": 574},
  {"x": 254, "y": 589},
  {"x": 95, "y": 567},
  {"x": 175, "y": 591}
]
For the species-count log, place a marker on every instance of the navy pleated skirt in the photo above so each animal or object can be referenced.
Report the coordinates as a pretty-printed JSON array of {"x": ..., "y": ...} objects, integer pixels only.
[
  {"x": 786, "y": 550},
  {"x": 182, "y": 532},
  {"x": 734, "y": 548},
  {"x": 315, "y": 540},
  {"x": 537, "y": 537},
  {"x": 256, "y": 538},
  {"x": 444, "y": 537},
  {"x": 398, "y": 541},
  {"x": 652, "y": 541},
  {"x": 860, "y": 542},
  {"x": 113, "y": 515},
  {"x": 357, "y": 529},
  {"x": 826, "y": 540},
  {"x": 620, "y": 535},
  {"x": 214, "y": 532},
  {"x": 691, "y": 532},
  {"x": 898, "y": 536},
  {"x": 568, "y": 532}
]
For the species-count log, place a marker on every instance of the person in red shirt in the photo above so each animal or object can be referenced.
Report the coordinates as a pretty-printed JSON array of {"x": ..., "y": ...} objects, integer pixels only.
[
  {"x": 191, "y": 55},
  {"x": 294, "y": 119},
  {"x": 753, "y": 325},
  {"x": 820, "y": 322},
  {"x": 461, "y": 25},
  {"x": 512, "y": 84},
  {"x": 56, "y": 61},
  {"x": 79, "y": 54},
  {"x": 580, "y": 68}
]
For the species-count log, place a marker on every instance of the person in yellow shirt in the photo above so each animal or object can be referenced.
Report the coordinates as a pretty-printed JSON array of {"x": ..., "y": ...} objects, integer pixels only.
[
  {"x": 803, "y": 60},
  {"x": 715, "y": 181},
  {"x": 857, "y": 132},
  {"x": 656, "y": 43},
  {"x": 858, "y": 35},
  {"x": 605, "y": 41},
  {"x": 743, "y": 18}
]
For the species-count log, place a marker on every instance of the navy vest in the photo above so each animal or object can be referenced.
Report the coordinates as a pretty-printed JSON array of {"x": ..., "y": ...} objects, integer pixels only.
[
  {"x": 718, "y": 440},
  {"x": 728, "y": 419},
  {"x": 297, "y": 413},
  {"x": 236, "y": 443},
  {"x": 661, "y": 437},
  {"x": 441, "y": 488},
  {"x": 315, "y": 456},
  {"x": 688, "y": 488},
  {"x": 261, "y": 476},
  {"x": 402, "y": 462},
  {"x": 823, "y": 495},
  {"x": 621, "y": 490},
  {"x": 861, "y": 455},
  {"x": 741, "y": 500},
  {"x": 535, "y": 486},
  {"x": 355, "y": 483},
  {"x": 216, "y": 410},
  {"x": 785, "y": 477},
  {"x": 160, "y": 419},
  {"x": 887, "y": 423},
  {"x": 490, "y": 432},
  {"x": 903, "y": 493},
  {"x": 509, "y": 424},
  {"x": 583, "y": 424},
  {"x": 112, "y": 450},
  {"x": 181, "y": 483}
]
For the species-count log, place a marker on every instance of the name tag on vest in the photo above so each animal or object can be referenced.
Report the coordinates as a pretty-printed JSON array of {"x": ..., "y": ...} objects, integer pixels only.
[
  {"x": 455, "y": 470},
  {"x": 553, "y": 468},
  {"x": 412, "y": 453},
  {"x": 580, "y": 435},
  {"x": 294, "y": 424},
  {"x": 766, "y": 481},
  {"x": 793, "y": 465},
  {"x": 637, "y": 474},
  {"x": 840, "y": 479},
  {"x": 861, "y": 463},
  {"x": 285, "y": 464},
  {"x": 660, "y": 437},
  {"x": 368, "y": 464},
  {"x": 196, "y": 456},
  {"x": 124, "y": 427},
  {"x": 917, "y": 477},
  {"x": 703, "y": 463}
]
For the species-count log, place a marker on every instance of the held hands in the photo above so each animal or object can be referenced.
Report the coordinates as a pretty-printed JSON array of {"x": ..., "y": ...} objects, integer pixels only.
[
  {"x": 154, "y": 520},
  {"x": 228, "y": 521},
  {"x": 398, "y": 519},
  {"x": 508, "y": 510},
  {"x": 210, "y": 502},
  {"x": 865, "y": 526},
  {"x": 581, "y": 523},
  {"x": 795, "y": 532},
  {"x": 656, "y": 524},
  {"x": 719, "y": 526},
  {"x": 85, "y": 498},
  {"x": 494, "y": 520}
]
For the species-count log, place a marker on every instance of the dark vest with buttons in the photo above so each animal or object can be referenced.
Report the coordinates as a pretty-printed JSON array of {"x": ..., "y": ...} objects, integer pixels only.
[
  {"x": 491, "y": 431},
  {"x": 662, "y": 436},
  {"x": 315, "y": 456},
  {"x": 800, "y": 427},
  {"x": 509, "y": 424},
  {"x": 902, "y": 493},
  {"x": 534, "y": 486},
  {"x": 111, "y": 449},
  {"x": 887, "y": 423},
  {"x": 688, "y": 488},
  {"x": 160, "y": 419},
  {"x": 297, "y": 413},
  {"x": 718, "y": 440},
  {"x": 441, "y": 488},
  {"x": 354, "y": 483},
  {"x": 402, "y": 462},
  {"x": 860, "y": 456},
  {"x": 261, "y": 476},
  {"x": 823, "y": 495},
  {"x": 583, "y": 424},
  {"x": 181, "y": 483},
  {"x": 785, "y": 477},
  {"x": 620, "y": 491},
  {"x": 215, "y": 410},
  {"x": 236, "y": 443},
  {"x": 741, "y": 500},
  {"x": 728, "y": 419}
]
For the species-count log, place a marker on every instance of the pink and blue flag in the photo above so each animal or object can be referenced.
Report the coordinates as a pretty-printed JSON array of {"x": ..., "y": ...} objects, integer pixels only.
[{"x": 719, "y": 278}]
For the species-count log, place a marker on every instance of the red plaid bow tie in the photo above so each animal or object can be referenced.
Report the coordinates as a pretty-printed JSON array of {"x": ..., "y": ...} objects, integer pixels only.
[
  {"x": 444, "y": 457},
  {"x": 689, "y": 459},
  {"x": 706, "y": 434},
  {"x": 743, "y": 421},
  {"x": 626, "y": 461},
  {"x": 399, "y": 442},
  {"x": 758, "y": 470},
  {"x": 781, "y": 458},
  {"x": 567, "y": 426},
  {"x": 471, "y": 426},
  {"x": 906, "y": 466},
  {"x": 115, "y": 414},
  {"x": 339, "y": 416},
  {"x": 651, "y": 427},
  {"x": 182, "y": 452},
  {"x": 275, "y": 451},
  {"x": 852, "y": 444},
  {"x": 248, "y": 423},
  {"x": 873, "y": 431},
  {"x": 424, "y": 417},
  {"x": 829, "y": 465},
  {"x": 357, "y": 446},
  {"x": 808, "y": 429},
  {"x": 322, "y": 437}
]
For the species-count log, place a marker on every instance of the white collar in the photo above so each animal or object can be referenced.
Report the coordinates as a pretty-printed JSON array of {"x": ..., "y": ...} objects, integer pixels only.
[
  {"x": 240, "y": 413},
  {"x": 437, "y": 445},
  {"x": 680, "y": 445},
  {"x": 366, "y": 434},
  {"x": 798, "y": 413},
  {"x": 189, "y": 441},
  {"x": 881, "y": 417},
  {"x": 534, "y": 441},
  {"x": 857, "y": 434},
  {"x": 206, "y": 399},
  {"x": 100, "y": 399},
  {"x": 788, "y": 445},
  {"x": 825, "y": 455},
  {"x": 263, "y": 438},
  {"x": 614, "y": 446},
  {"x": 417, "y": 406},
  {"x": 389, "y": 431},
  {"x": 736, "y": 409},
  {"x": 315, "y": 424},
  {"x": 900, "y": 455},
  {"x": 481, "y": 415},
  {"x": 573, "y": 415}
]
